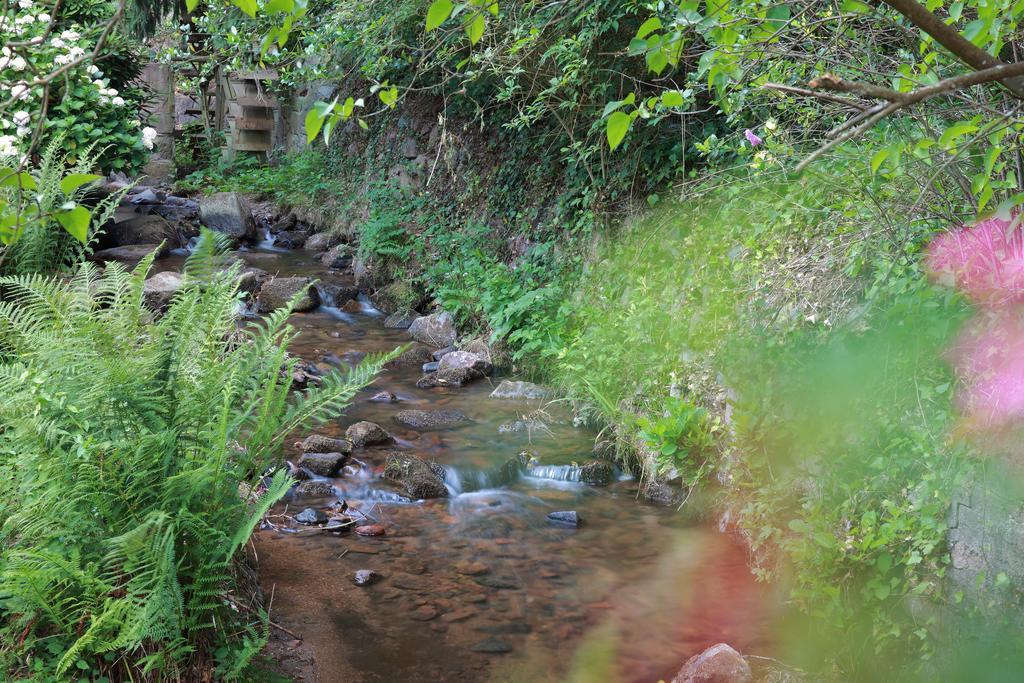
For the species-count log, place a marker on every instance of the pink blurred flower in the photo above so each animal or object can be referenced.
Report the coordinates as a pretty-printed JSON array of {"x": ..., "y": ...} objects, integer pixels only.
[
  {"x": 985, "y": 261},
  {"x": 752, "y": 138}
]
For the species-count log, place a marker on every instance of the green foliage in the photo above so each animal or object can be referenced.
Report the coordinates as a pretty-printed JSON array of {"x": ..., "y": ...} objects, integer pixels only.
[
  {"x": 683, "y": 438},
  {"x": 133, "y": 461},
  {"x": 45, "y": 223}
]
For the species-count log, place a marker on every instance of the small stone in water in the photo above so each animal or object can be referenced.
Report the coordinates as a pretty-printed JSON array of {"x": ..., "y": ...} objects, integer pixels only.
[
  {"x": 492, "y": 646},
  {"x": 471, "y": 568},
  {"x": 311, "y": 516},
  {"x": 565, "y": 518},
  {"x": 461, "y": 615},
  {"x": 384, "y": 397},
  {"x": 366, "y": 577},
  {"x": 430, "y": 367},
  {"x": 424, "y": 613},
  {"x": 370, "y": 530}
]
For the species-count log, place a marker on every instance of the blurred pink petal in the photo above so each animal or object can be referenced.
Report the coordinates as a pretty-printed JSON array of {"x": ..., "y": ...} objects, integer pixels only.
[
  {"x": 989, "y": 357},
  {"x": 985, "y": 261},
  {"x": 752, "y": 138}
]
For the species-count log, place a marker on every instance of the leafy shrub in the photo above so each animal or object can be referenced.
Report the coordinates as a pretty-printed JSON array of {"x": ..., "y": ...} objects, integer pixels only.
[{"x": 132, "y": 470}]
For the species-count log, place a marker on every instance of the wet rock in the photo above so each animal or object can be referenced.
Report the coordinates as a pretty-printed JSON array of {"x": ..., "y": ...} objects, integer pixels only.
[
  {"x": 400, "y": 320},
  {"x": 718, "y": 664},
  {"x": 519, "y": 390},
  {"x": 659, "y": 492},
  {"x": 431, "y": 419},
  {"x": 130, "y": 253},
  {"x": 527, "y": 425},
  {"x": 251, "y": 279},
  {"x": 228, "y": 213},
  {"x": 338, "y": 256},
  {"x": 469, "y": 364},
  {"x": 478, "y": 347},
  {"x": 311, "y": 516},
  {"x": 432, "y": 366},
  {"x": 277, "y": 292},
  {"x": 396, "y": 296},
  {"x": 424, "y": 613},
  {"x": 363, "y": 434},
  {"x": 144, "y": 230},
  {"x": 290, "y": 239},
  {"x": 460, "y": 615},
  {"x": 471, "y": 568},
  {"x": 314, "y": 489},
  {"x": 597, "y": 473},
  {"x": 371, "y": 530},
  {"x": 323, "y": 464},
  {"x": 564, "y": 518},
  {"x": 318, "y": 443},
  {"x": 159, "y": 289},
  {"x": 454, "y": 377},
  {"x": 147, "y": 196},
  {"x": 437, "y": 329},
  {"x": 441, "y": 353},
  {"x": 416, "y": 354},
  {"x": 322, "y": 241},
  {"x": 337, "y": 295},
  {"x": 428, "y": 381},
  {"x": 420, "y": 480},
  {"x": 352, "y": 306},
  {"x": 384, "y": 397},
  {"x": 366, "y": 577},
  {"x": 497, "y": 582},
  {"x": 492, "y": 646}
]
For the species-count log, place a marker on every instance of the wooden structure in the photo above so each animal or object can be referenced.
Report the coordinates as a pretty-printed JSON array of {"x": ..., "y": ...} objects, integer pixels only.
[{"x": 250, "y": 113}]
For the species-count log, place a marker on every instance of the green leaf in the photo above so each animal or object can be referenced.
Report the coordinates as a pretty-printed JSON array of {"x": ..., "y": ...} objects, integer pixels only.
[
  {"x": 76, "y": 222},
  {"x": 363, "y": 124},
  {"x": 275, "y": 6},
  {"x": 388, "y": 96},
  {"x": 672, "y": 98},
  {"x": 475, "y": 28},
  {"x": 191, "y": 5},
  {"x": 247, "y": 6},
  {"x": 9, "y": 178},
  {"x": 657, "y": 60},
  {"x": 778, "y": 16},
  {"x": 439, "y": 11},
  {"x": 315, "y": 119},
  {"x": 493, "y": 8},
  {"x": 73, "y": 181},
  {"x": 651, "y": 25},
  {"x": 878, "y": 159},
  {"x": 617, "y": 127}
]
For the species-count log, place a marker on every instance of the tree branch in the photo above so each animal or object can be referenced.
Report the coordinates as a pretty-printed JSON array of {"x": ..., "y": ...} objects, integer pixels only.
[{"x": 951, "y": 39}]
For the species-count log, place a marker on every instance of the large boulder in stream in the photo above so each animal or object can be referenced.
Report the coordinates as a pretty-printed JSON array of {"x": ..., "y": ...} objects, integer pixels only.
[
  {"x": 159, "y": 289},
  {"x": 228, "y": 213},
  {"x": 717, "y": 664},
  {"x": 318, "y": 443},
  {"x": 276, "y": 293},
  {"x": 131, "y": 253},
  {"x": 420, "y": 479},
  {"x": 474, "y": 365},
  {"x": 363, "y": 434},
  {"x": 431, "y": 419},
  {"x": 323, "y": 464},
  {"x": 437, "y": 329},
  {"x": 322, "y": 241},
  {"x": 140, "y": 229}
]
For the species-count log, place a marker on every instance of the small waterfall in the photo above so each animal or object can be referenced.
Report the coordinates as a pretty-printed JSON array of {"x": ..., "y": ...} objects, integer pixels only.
[
  {"x": 327, "y": 305},
  {"x": 460, "y": 480},
  {"x": 366, "y": 306},
  {"x": 267, "y": 241},
  {"x": 555, "y": 472}
]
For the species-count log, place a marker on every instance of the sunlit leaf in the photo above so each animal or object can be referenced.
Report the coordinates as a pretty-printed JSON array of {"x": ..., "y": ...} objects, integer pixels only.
[
  {"x": 76, "y": 222},
  {"x": 437, "y": 13},
  {"x": 73, "y": 181},
  {"x": 475, "y": 28},
  {"x": 617, "y": 127}
]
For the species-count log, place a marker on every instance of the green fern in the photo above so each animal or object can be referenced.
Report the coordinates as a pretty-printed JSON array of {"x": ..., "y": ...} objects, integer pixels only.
[{"x": 123, "y": 448}]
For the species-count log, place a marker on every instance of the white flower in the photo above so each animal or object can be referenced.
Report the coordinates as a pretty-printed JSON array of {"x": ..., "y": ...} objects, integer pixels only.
[
  {"x": 58, "y": 43},
  {"x": 20, "y": 91},
  {"x": 93, "y": 70},
  {"x": 70, "y": 35},
  {"x": 770, "y": 125},
  {"x": 148, "y": 137},
  {"x": 43, "y": 18},
  {"x": 21, "y": 118},
  {"x": 63, "y": 59},
  {"x": 117, "y": 102},
  {"x": 18, "y": 64},
  {"x": 23, "y": 131},
  {"x": 99, "y": 84},
  {"x": 25, "y": 4},
  {"x": 7, "y": 146}
]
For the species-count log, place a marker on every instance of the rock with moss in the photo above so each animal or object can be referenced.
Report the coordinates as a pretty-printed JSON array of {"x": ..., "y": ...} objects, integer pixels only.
[
  {"x": 521, "y": 391},
  {"x": 597, "y": 473},
  {"x": 363, "y": 434},
  {"x": 419, "y": 478},
  {"x": 277, "y": 292},
  {"x": 431, "y": 419},
  {"x": 318, "y": 443},
  {"x": 437, "y": 329},
  {"x": 337, "y": 257},
  {"x": 396, "y": 296},
  {"x": 321, "y": 241},
  {"x": 323, "y": 464},
  {"x": 228, "y": 213}
]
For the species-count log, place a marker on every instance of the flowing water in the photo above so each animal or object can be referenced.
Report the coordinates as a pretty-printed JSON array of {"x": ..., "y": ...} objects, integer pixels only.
[{"x": 479, "y": 586}]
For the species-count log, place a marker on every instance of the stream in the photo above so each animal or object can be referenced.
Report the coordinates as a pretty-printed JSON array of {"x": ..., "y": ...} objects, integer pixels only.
[{"x": 479, "y": 586}]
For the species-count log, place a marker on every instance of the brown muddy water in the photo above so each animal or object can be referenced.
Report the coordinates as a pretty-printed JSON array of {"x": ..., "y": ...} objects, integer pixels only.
[{"x": 479, "y": 586}]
